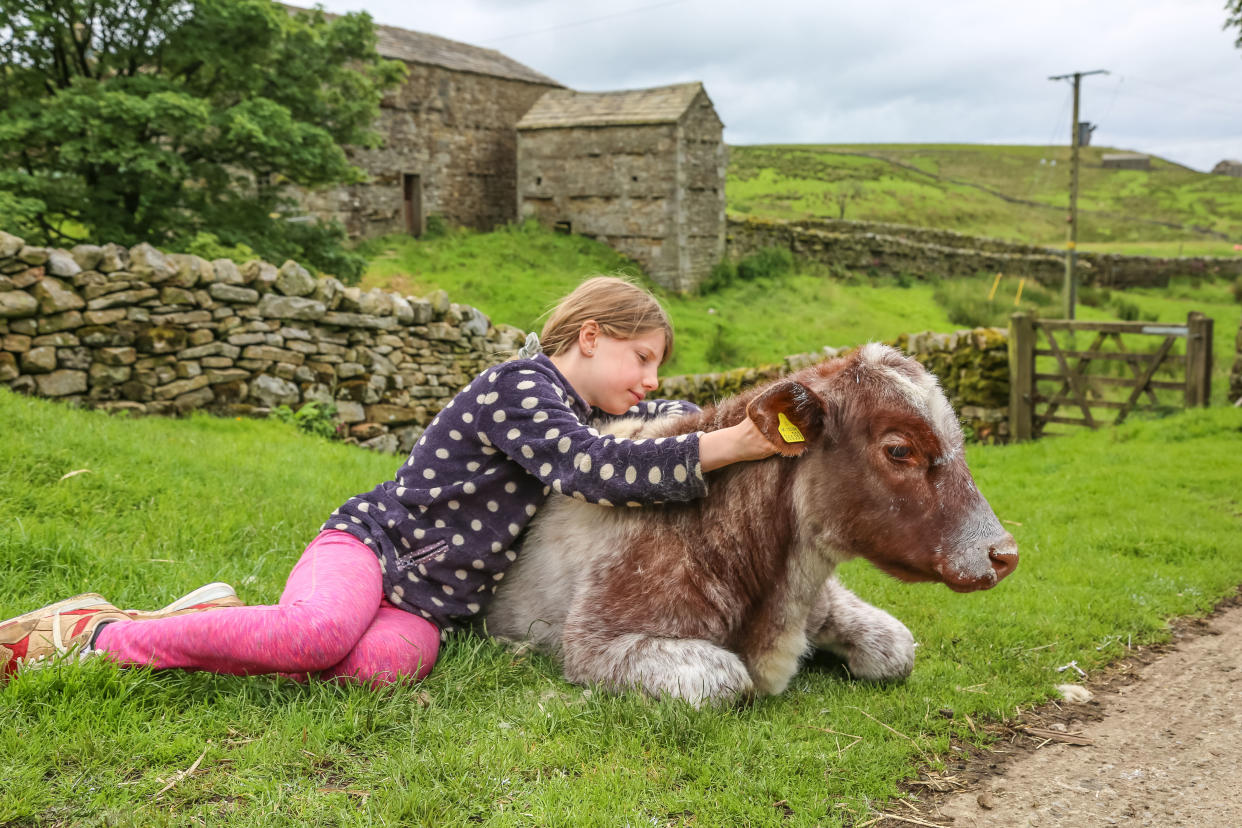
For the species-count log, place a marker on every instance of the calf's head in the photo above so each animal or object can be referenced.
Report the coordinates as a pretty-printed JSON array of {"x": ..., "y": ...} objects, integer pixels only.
[{"x": 884, "y": 474}]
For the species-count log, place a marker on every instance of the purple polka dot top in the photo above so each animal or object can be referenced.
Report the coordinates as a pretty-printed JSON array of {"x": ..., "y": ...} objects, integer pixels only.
[{"x": 444, "y": 528}]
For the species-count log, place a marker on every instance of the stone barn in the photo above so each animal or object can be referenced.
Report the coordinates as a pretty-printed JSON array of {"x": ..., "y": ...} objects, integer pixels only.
[
  {"x": 450, "y": 144},
  {"x": 1228, "y": 167},
  {"x": 641, "y": 170}
]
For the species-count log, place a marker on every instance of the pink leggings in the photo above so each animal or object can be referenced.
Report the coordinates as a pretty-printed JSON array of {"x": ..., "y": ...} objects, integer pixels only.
[{"x": 332, "y": 622}]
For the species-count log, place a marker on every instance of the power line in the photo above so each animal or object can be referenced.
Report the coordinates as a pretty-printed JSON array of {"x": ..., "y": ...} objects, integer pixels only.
[
  {"x": 583, "y": 22},
  {"x": 1071, "y": 252}
]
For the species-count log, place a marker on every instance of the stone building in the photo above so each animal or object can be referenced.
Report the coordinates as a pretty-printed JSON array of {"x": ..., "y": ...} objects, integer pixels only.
[
  {"x": 1228, "y": 167},
  {"x": 449, "y": 140},
  {"x": 640, "y": 170}
]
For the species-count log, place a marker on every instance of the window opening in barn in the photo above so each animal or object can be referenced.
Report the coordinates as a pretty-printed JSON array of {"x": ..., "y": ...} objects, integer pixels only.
[
  {"x": 563, "y": 227},
  {"x": 412, "y": 190}
]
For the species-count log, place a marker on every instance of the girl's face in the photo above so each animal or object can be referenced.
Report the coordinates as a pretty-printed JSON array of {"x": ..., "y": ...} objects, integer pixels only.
[{"x": 622, "y": 371}]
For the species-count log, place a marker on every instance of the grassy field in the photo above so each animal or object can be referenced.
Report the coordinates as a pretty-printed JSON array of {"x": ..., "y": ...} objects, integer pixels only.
[
  {"x": 963, "y": 188},
  {"x": 497, "y": 739},
  {"x": 516, "y": 275}
]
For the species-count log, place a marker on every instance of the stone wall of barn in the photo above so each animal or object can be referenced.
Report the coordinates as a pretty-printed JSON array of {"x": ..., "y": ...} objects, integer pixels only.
[
  {"x": 897, "y": 248},
  {"x": 615, "y": 184},
  {"x": 152, "y": 333},
  {"x": 654, "y": 192},
  {"x": 455, "y": 131},
  {"x": 702, "y": 166}
]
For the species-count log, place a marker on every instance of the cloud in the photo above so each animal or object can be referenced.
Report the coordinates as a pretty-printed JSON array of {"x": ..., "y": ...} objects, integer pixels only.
[{"x": 890, "y": 70}]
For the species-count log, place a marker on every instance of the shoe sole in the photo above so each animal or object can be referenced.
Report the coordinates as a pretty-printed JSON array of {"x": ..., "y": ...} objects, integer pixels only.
[
  {"x": 25, "y": 623},
  {"x": 217, "y": 591}
]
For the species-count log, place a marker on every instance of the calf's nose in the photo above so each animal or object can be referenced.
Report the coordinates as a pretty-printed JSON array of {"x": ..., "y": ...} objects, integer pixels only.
[{"x": 1003, "y": 557}]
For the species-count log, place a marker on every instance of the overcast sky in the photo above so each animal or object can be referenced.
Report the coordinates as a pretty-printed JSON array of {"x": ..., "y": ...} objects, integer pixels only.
[{"x": 896, "y": 71}]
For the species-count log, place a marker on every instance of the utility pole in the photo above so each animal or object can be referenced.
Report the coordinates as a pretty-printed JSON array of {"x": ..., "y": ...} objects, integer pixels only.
[{"x": 1071, "y": 246}]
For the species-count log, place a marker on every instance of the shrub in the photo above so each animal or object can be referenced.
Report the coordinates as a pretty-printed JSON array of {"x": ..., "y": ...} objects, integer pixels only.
[
  {"x": 1094, "y": 297},
  {"x": 1126, "y": 311},
  {"x": 765, "y": 263},
  {"x": 1236, "y": 290},
  {"x": 722, "y": 350},
  {"x": 722, "y": 275},
  {"x": 436, "y": 228},
  {"x": 966, "y": 302},
  {"x": 209, "y": 246},
  {"x": 314, "y": 418}
]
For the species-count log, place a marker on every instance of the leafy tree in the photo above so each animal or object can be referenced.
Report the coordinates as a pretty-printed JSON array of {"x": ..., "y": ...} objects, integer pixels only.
[
  {"x": 160, "y": 120},
  {"x": 1234, "y": 20}
]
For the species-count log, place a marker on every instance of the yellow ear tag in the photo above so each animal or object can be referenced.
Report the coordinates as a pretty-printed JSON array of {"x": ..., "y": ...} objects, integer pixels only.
[{"x": 788, "y": 430}]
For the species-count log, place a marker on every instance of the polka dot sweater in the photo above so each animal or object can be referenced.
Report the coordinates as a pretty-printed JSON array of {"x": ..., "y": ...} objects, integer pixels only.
[{"x": 443, "y": 528}]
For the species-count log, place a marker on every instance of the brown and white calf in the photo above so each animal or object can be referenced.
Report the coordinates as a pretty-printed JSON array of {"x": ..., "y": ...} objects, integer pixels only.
[{"x": 723, "y": 596}]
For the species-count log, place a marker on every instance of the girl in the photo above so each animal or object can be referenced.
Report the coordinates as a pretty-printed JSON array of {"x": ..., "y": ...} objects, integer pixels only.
[{"x": 394, "y": 570}]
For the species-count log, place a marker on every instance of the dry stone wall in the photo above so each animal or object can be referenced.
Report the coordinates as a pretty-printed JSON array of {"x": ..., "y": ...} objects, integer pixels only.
[
  {"x": 153, "y": 333},
  {"x": 898, "y": 248},
  {"x": 139, "y": 330},
  {"x": 973, "y": 367}
]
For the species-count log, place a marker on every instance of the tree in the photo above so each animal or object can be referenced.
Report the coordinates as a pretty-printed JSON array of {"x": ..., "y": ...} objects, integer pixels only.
[
  {"x": 160, "y": 120},
  {"x": 1234, "y": 20}
]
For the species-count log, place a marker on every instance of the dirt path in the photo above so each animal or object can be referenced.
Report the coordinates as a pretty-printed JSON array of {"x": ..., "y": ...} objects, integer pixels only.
[{"x": 1163, "y": 747}]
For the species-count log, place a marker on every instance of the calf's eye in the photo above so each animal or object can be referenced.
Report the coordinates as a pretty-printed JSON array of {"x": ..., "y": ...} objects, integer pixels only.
[{"x": 898, "y": 452}]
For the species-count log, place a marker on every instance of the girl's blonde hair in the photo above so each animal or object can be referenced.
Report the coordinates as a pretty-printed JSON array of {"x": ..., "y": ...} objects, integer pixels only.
[{"x": 622, "y": 309}]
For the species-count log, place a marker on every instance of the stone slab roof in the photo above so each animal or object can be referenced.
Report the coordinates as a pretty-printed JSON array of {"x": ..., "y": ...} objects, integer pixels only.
[
  {"x": 418, "y": 47},
  {"x": 567, "y": 108}
]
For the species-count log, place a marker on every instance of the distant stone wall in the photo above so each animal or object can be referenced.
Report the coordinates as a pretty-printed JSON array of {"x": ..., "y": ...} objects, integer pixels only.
[
  {"x": 153, "y": 333},
  {"x": 897, "y": 248},
  {"x": 972, "y": 365}
]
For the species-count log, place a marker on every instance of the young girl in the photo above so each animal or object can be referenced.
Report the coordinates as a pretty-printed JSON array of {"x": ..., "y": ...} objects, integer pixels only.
[{"x": 394, "y": 570}]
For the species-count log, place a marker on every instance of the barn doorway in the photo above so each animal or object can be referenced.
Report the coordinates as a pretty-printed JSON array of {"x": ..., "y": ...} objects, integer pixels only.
[{"x": 412, "y": 192}]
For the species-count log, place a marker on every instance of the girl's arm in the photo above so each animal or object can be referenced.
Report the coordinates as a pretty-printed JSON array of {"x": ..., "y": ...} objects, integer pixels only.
[{"x": 740, "y": 442}]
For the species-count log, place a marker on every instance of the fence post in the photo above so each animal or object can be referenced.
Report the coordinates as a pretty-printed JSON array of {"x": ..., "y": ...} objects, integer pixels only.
[
  {"x": 1198, "y": 360},
  {"x": 1021, "y": 377}
]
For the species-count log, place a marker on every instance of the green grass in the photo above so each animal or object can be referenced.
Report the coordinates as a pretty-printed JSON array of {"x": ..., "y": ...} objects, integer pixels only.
[
  {"x": 1119, "y": 531},
  {"x": 515, "y": 274},
  {"x": 959, "y": 187}
]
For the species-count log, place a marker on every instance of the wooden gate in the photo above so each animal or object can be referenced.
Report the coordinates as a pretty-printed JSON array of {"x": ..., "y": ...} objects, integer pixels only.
[{"x": 1053, "y": 381}]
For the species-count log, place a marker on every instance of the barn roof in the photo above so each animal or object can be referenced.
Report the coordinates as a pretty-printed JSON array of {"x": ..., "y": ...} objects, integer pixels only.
[
  {"x": 567, "y": 108},
  {"x": 419, "y": 47}
]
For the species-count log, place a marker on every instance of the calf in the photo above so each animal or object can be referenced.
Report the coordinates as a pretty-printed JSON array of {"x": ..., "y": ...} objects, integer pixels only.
[{"x": 722, "y": 597}]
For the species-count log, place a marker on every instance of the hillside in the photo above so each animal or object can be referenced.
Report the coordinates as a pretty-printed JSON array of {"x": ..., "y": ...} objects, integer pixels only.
[
  {"x": 1009, "y": 192},
  {"x": 515, "y": 275}
]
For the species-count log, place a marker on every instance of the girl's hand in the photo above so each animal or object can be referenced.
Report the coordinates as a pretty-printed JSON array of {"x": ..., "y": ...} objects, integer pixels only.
[{"x": 743, "y": 441}]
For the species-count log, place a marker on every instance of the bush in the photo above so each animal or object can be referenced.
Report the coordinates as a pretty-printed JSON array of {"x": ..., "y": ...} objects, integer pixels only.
[
  {"x": 966, "y": 302},
  {"x": 1094, "y": 297},
  {"x": 722, "y": 275},
  {"x": 722, "y": 350},
  {"x": 317, "y": 245},
  {"x": 437, "y": 227},
  {"x": 314, "y": 418},
  {"x": 1236, "y": 290},
  {"x": 765, "y": 263},
  {"x": 209, "y": 246},
  {"x": 1126, "y": 311}
]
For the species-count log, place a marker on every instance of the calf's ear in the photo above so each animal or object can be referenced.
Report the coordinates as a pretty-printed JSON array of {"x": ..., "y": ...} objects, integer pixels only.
[{"x": 790, "y": 415}]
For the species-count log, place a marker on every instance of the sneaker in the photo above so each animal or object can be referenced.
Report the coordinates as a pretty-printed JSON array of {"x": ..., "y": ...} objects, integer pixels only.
[
  {"x": 211, "y": 596},
  {"x": 34, "y": 638}
]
